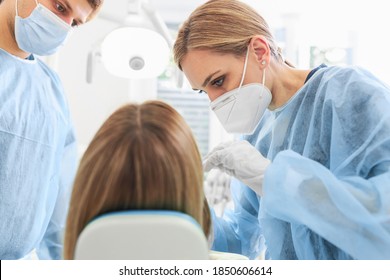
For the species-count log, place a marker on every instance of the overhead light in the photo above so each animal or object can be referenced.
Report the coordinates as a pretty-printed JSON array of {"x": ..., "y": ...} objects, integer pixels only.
[{"x": 134, "y": 52}]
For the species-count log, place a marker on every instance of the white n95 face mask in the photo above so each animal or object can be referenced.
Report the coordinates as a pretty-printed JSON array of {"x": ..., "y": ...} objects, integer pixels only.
[
  {"x": 241, "y": 109},
  {"x": 41, "y": 33}
]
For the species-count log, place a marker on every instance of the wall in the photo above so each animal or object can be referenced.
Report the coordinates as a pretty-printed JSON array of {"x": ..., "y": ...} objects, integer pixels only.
[
  {"x": 307, "y": 23},
  {"x": 91, "y": 103}
]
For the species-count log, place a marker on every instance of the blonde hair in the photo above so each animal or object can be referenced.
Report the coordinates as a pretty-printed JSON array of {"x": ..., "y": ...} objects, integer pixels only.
[
  {"x": 143, "y": 157},
  {"x": 222, "y": 26},
  {"x": 96, "y": 7}
]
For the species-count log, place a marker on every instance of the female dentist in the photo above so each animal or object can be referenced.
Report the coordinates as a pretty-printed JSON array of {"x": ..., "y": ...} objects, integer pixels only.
[{"x": 315, "y": 152}]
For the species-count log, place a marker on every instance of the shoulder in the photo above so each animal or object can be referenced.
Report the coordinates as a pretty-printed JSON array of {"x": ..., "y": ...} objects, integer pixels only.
[
  {"x": 28, "y": 69},
  {"x": 348, "y": 76},
  {"x": 349, "y": 84},
  {"x": 54, "y": 78},
  {"x": 46, "y": 69}
]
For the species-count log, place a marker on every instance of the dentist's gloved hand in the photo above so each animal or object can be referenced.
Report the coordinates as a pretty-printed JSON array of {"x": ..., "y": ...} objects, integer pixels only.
[{"x": 241, "y": 160}]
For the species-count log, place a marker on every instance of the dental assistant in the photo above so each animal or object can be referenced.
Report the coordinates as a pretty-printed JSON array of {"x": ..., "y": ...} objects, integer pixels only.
[
  {"x": 37, "y": 141},
  {"x": 313, "y": 164}
]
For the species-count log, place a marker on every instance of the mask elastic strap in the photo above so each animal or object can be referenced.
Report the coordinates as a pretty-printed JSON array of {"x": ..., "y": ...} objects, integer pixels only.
[
  {"x": 264, "y": 77},
  {"x": 244, "y": 71}
]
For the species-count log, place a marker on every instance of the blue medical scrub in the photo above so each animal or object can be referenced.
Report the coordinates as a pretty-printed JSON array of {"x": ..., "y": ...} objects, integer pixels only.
[
  {"x": 327, "y": 190},
  {"x": 37, "y": 158}
]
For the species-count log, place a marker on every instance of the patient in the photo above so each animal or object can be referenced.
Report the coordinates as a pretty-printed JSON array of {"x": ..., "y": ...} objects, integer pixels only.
[{"x": 143, "y": 157}]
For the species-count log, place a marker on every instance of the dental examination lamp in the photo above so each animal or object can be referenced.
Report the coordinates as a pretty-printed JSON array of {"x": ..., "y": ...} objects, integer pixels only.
[
  {"x": 139, "y": 48},
  {"x": 133, "y": 52}
]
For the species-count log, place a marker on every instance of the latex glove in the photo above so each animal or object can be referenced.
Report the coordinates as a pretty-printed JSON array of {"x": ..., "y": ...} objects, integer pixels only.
[{"x": 241, "y": 160}]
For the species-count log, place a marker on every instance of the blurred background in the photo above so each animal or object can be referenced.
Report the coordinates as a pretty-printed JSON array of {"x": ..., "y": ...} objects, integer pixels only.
[{"x": 335, "y": 32}]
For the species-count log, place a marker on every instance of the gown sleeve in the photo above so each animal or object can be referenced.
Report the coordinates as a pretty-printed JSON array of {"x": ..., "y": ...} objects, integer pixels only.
[
  {"x": 347, "y": 203},
  {"x": 238, "y": 230},
  {"x": 51, "y": 245}
]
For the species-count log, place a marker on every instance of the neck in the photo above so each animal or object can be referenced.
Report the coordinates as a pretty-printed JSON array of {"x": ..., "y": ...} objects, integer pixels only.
[
  {"x": 7, "y": 30},
  {"x": 286, "y": 82}
]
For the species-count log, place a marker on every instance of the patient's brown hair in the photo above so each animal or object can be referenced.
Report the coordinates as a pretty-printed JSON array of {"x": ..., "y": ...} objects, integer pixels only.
[{"x": 143, "y": 157}]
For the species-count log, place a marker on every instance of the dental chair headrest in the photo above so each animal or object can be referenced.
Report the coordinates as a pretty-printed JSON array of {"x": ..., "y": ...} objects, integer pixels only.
[{"x": 142, "y": 235}]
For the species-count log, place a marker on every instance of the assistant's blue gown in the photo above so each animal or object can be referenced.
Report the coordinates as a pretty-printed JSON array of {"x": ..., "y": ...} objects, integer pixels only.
[{"x": 38, "y": 159}]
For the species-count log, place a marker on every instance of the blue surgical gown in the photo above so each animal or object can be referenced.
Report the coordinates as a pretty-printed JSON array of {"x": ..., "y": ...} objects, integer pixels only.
[
  {"x": 38, "y": 159},
  {"x": 327, "y": 190}
]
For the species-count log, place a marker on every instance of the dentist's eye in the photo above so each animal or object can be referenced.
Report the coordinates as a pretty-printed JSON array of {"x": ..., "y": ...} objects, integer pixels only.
[
  {"x": 60, "y": 8},
  {"x": 218, "y": 82}
]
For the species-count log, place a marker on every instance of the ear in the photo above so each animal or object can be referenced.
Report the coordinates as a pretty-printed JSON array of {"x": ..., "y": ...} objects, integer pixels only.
[{"x": 260, "y": 48}]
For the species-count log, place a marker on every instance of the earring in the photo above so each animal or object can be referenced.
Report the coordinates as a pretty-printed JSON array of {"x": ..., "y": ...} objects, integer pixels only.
[{"x": 263, "y": 62}]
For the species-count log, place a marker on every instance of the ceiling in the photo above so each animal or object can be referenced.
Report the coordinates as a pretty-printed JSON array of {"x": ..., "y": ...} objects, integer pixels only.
[
  {"x": 171, "y": 11},
  {"x": 174, "y": 12}
]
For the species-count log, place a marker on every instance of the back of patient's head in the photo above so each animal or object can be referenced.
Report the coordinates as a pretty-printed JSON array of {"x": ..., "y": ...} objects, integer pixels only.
[{"x": 143, "y": 157}]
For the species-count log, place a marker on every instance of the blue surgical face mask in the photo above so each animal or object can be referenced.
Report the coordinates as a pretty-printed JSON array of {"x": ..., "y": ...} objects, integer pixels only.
[{"x": 41, "y": 33}]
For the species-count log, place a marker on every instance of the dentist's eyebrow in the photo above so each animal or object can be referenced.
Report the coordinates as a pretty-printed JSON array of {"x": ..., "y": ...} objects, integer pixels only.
[
  {"x": 67, "y": 5},
  {"x": 207, "y": 80},
  {"x": 70, "y": 8}
]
